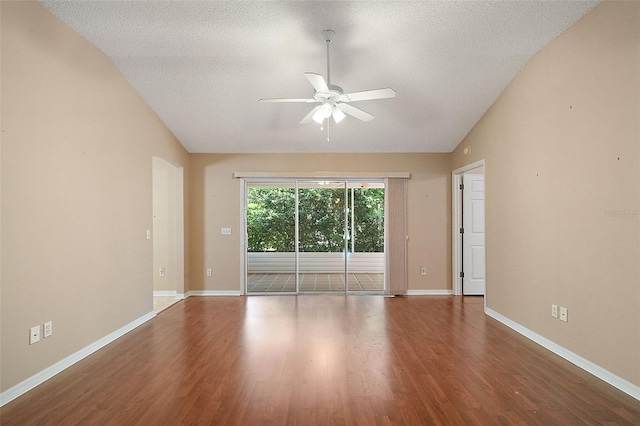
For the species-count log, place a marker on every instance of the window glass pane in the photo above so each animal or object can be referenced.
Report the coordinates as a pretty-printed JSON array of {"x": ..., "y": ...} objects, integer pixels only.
[{"x": 270, "y": 237}]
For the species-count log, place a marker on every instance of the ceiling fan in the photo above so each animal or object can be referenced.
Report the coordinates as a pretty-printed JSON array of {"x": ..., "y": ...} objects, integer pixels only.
[{"x": 333, "y": 101}]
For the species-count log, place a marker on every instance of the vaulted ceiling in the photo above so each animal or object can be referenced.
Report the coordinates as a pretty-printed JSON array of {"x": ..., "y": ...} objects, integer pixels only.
[{"x": 203, "y": 65}]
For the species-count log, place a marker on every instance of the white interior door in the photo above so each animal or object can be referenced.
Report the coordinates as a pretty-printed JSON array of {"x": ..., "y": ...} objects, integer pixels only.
[{"x": 473, "y": 246}]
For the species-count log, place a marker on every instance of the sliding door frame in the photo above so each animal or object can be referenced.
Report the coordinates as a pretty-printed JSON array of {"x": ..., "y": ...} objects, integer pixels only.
[
  {"x": 345, "y": 241},
  {"x": 245, "y": 181},
  {"x": 244, "y": 236}
]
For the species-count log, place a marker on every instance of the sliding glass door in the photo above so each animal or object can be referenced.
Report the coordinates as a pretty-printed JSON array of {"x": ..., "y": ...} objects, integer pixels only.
[
  {"x": 321, "y": 236},
  {"x": 313, "y": 236},
  {"x": 270, "y": 237},
  {"x": 365, "y": 256}
]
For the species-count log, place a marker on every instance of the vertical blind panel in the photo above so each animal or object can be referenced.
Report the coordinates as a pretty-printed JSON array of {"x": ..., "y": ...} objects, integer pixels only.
[{"x": 397, "y": 236}]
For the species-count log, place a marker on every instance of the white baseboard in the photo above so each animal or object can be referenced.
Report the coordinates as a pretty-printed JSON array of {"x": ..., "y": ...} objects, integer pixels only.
[
  {"x": 214, "y": 293},
  {"x": 615, "y": 381},
  {"x": 38, "y": 378},
  {"x": 165, "y": 293},
  {"x": 180, "y": 296},
  {"x": 429, "y": 292}
]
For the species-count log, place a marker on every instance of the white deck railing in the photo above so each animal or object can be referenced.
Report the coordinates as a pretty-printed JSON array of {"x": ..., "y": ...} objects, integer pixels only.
[{"x": 330, "y": 263}]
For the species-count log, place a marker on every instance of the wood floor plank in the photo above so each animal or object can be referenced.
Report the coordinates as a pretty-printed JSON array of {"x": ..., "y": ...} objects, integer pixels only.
[{"x": 323, "y": 359}]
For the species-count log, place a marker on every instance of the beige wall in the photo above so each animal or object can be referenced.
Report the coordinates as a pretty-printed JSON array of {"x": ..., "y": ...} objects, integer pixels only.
[
  {"x": 167, "y": 219},
  {"x": 215, "y": 203},
  {"x": 561, "y": 146},
  {"x": 77, "y": 148}
]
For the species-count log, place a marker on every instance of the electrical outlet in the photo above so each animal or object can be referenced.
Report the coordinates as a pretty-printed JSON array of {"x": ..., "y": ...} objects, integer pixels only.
[
  {"x": 208, "y": 272},
  {"x": 564, "y": 314},
  {"x": 423, "y": 271},
  {"x": 554, "y": 311},
  {"x": 34, "y": 335},
  {"x": 47, "y": 329},
  {"x": 148, "y": 234},
  {"x": 162, "y": 272}
]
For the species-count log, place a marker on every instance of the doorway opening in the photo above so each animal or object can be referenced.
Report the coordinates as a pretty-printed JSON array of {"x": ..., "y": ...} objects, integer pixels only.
[
  {"x": 308, "y": 236},
  {"x": 168, "y": 234},
  {"x": 469, "y": 264}
]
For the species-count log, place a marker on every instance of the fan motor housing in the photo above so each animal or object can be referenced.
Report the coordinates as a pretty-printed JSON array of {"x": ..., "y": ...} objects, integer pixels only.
[{"x": 333, "y": 95}]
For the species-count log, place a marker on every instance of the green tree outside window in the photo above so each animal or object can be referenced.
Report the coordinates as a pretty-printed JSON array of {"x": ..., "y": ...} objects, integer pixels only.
[{"x": 270, "y": 219}]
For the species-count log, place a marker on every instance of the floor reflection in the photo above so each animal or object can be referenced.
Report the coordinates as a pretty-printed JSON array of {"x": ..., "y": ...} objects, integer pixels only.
[{"x": 318, "y": 341}]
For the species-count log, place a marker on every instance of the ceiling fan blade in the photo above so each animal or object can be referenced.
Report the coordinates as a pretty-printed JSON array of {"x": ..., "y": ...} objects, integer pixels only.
[
  {"x": 354, "y": 112},
  {"x": 309, "y": 117},
  {"x": 369, "y": 95},
  {"x": 317, "y": 81},
  {"x": 287, "y": 100}
]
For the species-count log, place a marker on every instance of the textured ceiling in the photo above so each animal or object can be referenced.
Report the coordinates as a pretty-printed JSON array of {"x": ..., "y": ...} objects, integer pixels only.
[{"x": 203, "y": 65}]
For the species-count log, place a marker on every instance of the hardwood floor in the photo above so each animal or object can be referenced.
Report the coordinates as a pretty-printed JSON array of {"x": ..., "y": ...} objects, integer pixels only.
[{"x": 323, "y": 360}]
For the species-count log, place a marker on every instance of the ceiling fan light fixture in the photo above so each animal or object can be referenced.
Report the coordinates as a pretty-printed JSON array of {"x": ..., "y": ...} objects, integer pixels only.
[
  {"x": 326, "y": 110},
  {"x": 338, "y": 115},
  {"x": 322, "y": 113}
]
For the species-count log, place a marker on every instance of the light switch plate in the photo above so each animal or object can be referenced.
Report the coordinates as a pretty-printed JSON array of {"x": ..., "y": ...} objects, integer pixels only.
[
  {"x": 34, "y": 335},
  {"x": 564, "y": 314},
  {"x": 226, "y": 231}
]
